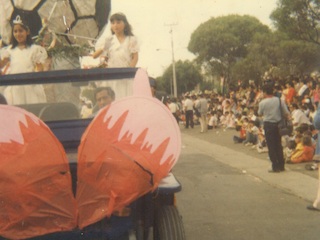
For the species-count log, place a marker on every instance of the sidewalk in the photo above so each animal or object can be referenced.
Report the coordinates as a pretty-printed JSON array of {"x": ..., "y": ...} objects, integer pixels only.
[{"x": 218, "y": 144}]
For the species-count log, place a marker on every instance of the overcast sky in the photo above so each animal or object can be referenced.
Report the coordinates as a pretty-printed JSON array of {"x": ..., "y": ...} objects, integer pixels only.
[{"x": 150, "y": 19}]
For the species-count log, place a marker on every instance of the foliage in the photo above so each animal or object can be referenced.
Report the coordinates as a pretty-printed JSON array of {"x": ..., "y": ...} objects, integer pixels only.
[
  {"x": 207, "y": 85},
  {"x": 220, "y": 42},
  {"x": 300, "y": 19},
  {"x": 71, "y": 51},
  {"x": 278, "y": 55},
  {"x": 187, "y": 74},
  {"x": 298, "y": 57}
]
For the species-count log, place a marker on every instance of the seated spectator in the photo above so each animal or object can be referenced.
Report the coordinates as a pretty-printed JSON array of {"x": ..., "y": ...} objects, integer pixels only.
[
  {"x": 298, "y": 116},
  {"x": 313, "y": 141},
  {"x": 223, "y": 119},
  {"x": 262, "y": 143},
  {"x": 213, "y": 120},
  {"x": 103, "y": 96},
  {"x": 288, "y": 150},
  {"x": 242, "y": 131},
  {"x": 230, "y": 120},
  {"x": 252, "y": 132},
  {"x": 304, "y": 150}
]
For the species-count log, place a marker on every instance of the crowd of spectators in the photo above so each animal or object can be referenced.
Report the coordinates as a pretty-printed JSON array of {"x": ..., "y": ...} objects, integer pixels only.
[{"x": 238, "y": 110}]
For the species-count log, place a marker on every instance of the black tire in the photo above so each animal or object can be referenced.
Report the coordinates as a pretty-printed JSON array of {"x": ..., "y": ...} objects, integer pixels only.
[{"x": 168, "y": 224}]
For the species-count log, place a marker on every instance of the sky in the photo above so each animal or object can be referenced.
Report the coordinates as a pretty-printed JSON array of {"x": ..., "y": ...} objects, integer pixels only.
[{"x": 151, "y": 20}]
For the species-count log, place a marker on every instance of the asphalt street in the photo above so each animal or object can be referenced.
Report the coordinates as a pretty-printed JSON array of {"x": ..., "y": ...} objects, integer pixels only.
[{"x": 227, "y": 192}]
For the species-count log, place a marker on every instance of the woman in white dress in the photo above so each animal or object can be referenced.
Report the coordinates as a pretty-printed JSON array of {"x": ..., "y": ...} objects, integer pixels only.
[
  {"x": 23, "y": 56},
  {"x": 121, "y": 51}
]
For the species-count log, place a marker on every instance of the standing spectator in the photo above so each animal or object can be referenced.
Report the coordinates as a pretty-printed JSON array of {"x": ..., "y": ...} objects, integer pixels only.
[
  {"x": 316, "y": 95},
  {"x": 290, "y": 93},
  {"x": 174, "y": 108},
  {"x": 251, "y": 95},
  {"x": 316, "y": 204},
  {"x": 188, "y": 109},
  {"x": 202, "y": 107},
  {"x": 271, "y": 116}
]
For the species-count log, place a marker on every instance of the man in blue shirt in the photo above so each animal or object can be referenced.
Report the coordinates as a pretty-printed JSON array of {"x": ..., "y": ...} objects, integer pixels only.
[{"x": 269, "y": 108}]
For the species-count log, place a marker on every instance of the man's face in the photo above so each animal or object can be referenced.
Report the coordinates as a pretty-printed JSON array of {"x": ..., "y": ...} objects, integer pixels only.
[{"x": 103, "y": 99}]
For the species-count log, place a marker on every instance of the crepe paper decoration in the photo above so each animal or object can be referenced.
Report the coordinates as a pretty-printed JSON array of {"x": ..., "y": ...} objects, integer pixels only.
[
  {"x": 141, "y": 85},
  {"x": 125, "y": 152},
  {"x": 35, "y": 183},
  {"x": 77, "y": 20}
]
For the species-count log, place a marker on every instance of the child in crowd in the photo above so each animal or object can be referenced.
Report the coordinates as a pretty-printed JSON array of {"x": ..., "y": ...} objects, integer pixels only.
[
  {"x": 288, "y": 150},
  {"x": 262, "y": 143},
  {"x": 213, "y": 120},
  {"x": 241, "y": 127},
  {"x": 223, "y": 119},
  {"x": 304, "y": 150},
  {"x": 252, "y": 132},
  {"x": 230, "y": 120}
]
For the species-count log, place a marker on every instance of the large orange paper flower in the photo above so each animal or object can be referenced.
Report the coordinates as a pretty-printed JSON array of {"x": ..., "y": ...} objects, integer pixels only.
[
  {"x": 127, "y": 149},
  {"x": 35, "y": 184}
]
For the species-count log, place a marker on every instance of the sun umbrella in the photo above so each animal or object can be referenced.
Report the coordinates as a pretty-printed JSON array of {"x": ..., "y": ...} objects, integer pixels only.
[
  {"x": 77, "y": 19},
  {"x": 127, "y": 149},
  {"x": 35, "y": 184}
]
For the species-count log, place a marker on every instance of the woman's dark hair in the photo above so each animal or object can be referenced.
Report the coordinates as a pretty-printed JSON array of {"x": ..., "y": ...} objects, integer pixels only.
[
  {"x": 29, "y": 41},
  {"x": 127, "y": 26}
]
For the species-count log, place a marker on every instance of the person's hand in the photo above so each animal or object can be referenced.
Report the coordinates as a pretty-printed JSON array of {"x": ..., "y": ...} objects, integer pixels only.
[{"x": 5, "y": 56}]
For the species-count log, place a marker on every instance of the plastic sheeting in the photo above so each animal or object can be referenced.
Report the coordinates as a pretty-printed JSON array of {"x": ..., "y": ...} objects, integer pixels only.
[{"x": 35, "y": 184}]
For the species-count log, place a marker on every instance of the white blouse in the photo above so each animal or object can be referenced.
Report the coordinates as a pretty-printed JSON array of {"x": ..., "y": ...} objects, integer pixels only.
[
  {"x": 25, "y": 60},
  {"x": 119, "y": 54}
]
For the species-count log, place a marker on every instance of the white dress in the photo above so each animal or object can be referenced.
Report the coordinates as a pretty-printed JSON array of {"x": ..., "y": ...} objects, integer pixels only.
[
  {"x": 22, "y": 61},
  {"x": 119, "y": 56}
]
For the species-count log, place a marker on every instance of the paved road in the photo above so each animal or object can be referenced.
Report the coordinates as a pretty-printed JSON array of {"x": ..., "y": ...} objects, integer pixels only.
[{"x": 228, "y": 193}]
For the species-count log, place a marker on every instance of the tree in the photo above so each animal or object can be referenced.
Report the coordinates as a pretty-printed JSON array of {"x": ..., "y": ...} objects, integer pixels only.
[
  {"x": 276, "y": 50},
  {"x": 298, "y": 57},
  {"x": 187, "y": 74},
  {"x": 220, "y": 42},
  {"x": 300, "y": 19}
]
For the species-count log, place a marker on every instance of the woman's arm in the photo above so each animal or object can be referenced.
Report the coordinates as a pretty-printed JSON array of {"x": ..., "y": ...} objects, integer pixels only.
[
  {"x": 97, "y": 53},
  {"x": 134, "y": 59},
  {"x": 4, "y": 62}
]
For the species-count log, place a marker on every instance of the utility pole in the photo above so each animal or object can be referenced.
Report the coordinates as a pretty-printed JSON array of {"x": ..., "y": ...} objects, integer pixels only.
[{"x": 174, "y": 76}]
